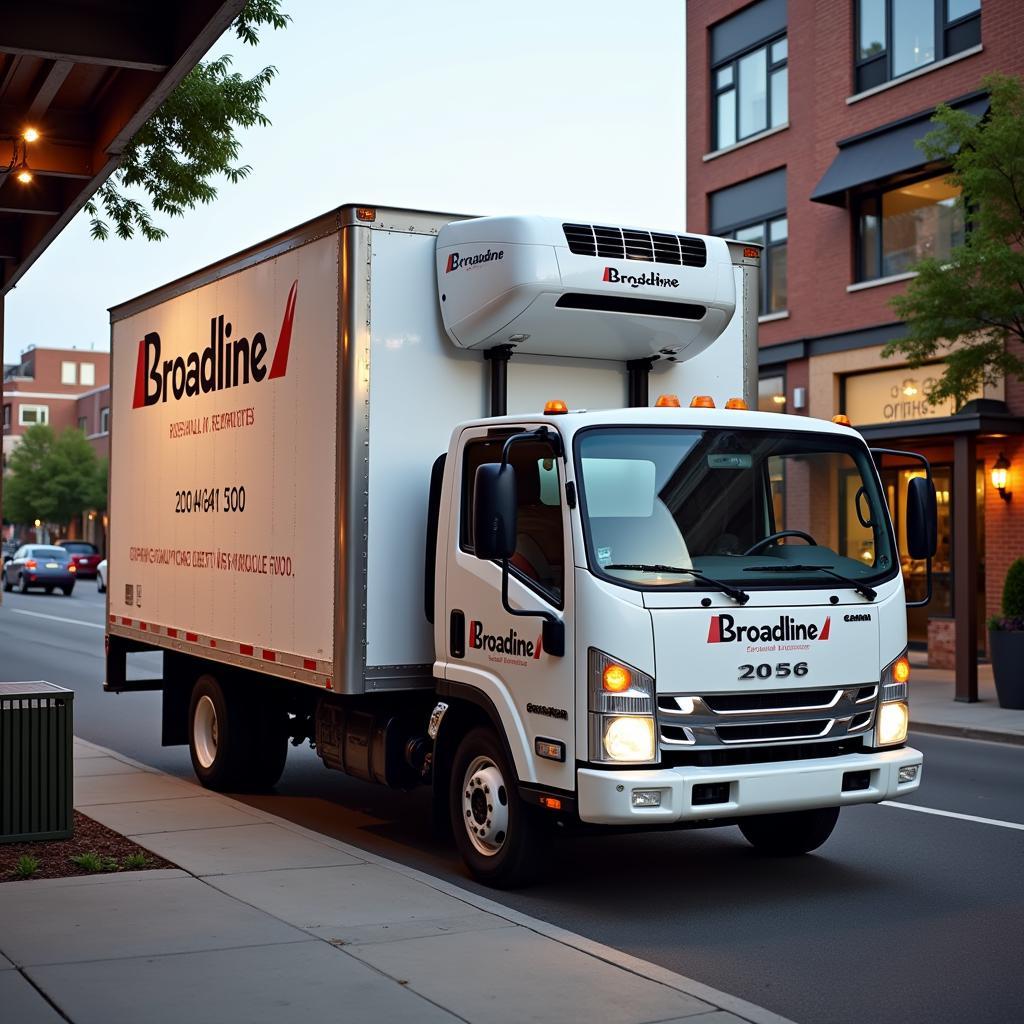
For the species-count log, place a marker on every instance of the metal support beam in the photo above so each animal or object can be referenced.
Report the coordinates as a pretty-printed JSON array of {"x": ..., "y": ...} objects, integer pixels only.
[
  {"x": 638, "y": 386},
  {"x": 498, "y": 357},
  {"x": 965, "y": 566}
]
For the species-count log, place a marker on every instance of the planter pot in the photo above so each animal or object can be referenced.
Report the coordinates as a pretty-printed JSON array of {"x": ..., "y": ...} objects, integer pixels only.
[{"x": 1007, "y": 651}]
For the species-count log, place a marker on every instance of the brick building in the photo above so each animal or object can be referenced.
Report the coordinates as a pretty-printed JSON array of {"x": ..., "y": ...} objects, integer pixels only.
[
  {"x": 801, "y": 124},
  {"x": 64, "y": 388}
]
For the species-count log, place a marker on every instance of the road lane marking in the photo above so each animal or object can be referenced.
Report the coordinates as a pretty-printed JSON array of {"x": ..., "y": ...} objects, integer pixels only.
[
  {"x": 954, "y": 814},
  {"x": 58, "y": 618}
]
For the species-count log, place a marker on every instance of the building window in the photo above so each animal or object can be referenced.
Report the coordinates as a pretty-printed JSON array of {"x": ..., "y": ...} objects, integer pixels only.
[
  {"x": 83, "y": 424},
  {"x": 32, "y": 415},
  {"x": 67, "y": 373},
  {"x": 105, "y": 420},
  {"x": 755, "y": 211},
  {"x": 87, "y": 374},
  {"x": 771, "y": 394},
  {"x": 751, "y": 93},
  {"x": 900, "y": 226},
  {"x": 896, "y": 37},
  {"x": 749, "y": 87},
  {"x": 7, "y": 417}
]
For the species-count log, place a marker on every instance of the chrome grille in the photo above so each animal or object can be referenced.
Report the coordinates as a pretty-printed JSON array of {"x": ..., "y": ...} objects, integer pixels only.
[
  {"x": 630, "y": 244},
  {"x": 778, "y": 716}
]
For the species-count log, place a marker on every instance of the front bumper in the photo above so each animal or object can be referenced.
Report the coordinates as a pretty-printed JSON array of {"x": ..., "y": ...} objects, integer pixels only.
[{"x": 605, "y": 797}]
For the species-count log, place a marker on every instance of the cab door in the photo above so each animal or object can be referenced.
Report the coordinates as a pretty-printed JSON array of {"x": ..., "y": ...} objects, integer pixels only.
[{"x": 500, "y": 654}]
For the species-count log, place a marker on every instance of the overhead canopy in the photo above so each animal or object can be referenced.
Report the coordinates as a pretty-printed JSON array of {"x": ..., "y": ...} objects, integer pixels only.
[
  {"x": 86, "y": 76},
  {"x": 882, "y": 153}
]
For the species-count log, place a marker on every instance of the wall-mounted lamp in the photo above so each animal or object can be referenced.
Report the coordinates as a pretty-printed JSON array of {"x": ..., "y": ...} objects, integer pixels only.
[{"x": 1001, "y": 477}]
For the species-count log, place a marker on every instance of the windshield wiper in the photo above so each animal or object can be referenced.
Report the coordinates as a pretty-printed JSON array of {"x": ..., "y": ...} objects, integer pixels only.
[
  {"x": 739, "y": 596},
  {"x": 862, "y": 588}
]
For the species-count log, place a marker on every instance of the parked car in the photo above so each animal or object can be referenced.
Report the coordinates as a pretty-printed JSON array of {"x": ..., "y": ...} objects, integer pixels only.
[
  {"x": 101, "y": 577},
  {"x": 86, "y": 556},
  {"x": 42, "y": 566}
]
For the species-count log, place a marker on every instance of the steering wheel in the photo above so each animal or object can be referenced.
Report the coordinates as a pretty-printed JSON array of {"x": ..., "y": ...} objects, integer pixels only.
[{"x": 772, "y": 537}]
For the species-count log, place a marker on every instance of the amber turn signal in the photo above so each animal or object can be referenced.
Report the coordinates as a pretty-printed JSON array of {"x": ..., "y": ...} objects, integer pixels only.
[
  {"x": 616, "y": 678},
  {"x": 901, "y": 670}
]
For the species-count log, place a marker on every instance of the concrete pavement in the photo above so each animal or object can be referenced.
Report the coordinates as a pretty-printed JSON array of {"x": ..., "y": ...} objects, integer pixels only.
[
  {"x": 267, "y": 921},
  {"x": 934, "y": 709}
]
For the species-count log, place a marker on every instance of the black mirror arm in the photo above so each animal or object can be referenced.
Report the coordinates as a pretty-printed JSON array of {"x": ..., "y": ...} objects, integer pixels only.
[
  {"x": 545, "y": 434},
  {"x": 553, "y": 629}
]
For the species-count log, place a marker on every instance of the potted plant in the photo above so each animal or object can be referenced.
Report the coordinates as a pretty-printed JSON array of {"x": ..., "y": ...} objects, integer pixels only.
[{"x": 1006, "y": 640}]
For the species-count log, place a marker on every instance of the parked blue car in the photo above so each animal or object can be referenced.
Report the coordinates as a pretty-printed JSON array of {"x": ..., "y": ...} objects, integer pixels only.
[{"x": 41, "y": 566}]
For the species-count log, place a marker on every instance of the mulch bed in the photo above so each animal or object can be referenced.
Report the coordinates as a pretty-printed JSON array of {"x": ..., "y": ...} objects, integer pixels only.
[{"x": 90, "y": 836}]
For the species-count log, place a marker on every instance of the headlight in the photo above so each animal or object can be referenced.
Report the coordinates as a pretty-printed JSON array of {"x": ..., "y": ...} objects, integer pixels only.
[
  {"x": 893, "y": 721},
  {"x": 629, "y": 738},
  {"x": 622, "y": 724},
  {"x": 893, "y": 718}
]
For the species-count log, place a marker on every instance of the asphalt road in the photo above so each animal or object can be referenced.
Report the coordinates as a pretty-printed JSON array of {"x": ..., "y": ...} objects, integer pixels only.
[{"x": 901, "y": 917}]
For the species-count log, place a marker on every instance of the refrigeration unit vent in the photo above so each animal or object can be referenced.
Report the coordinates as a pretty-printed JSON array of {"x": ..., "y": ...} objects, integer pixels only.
[{"x": 628, "y": 244}]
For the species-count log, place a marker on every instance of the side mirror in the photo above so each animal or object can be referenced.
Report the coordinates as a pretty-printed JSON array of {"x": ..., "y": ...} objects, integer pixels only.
[
  {"x": 494, "y": 511},
  {"x": 922, "y": 518}
]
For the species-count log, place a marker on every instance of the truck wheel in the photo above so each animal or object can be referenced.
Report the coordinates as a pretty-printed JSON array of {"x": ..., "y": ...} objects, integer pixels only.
[
  {"x": 786, "y": 835},
  {"x": 501, "y": 839},
  {"x": 237, "y": 742}
]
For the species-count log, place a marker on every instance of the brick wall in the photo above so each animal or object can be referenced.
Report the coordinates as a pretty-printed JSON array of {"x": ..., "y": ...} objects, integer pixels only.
[{"x": 941, "y": 645}]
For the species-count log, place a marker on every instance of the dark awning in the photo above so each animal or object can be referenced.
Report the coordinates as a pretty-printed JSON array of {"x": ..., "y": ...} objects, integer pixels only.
[{"x": 882, "y": 153}]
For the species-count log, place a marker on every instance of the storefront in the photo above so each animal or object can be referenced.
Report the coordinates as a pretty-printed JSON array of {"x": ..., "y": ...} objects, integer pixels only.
[{"x": 970, "y": 451}]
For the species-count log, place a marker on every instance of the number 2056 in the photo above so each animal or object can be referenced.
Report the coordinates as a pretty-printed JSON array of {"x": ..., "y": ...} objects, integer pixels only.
[{"x": 780, "y": 670}]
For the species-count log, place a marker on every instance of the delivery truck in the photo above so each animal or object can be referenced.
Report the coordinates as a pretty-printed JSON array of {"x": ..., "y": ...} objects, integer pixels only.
[{"x": 485, "y": 504}]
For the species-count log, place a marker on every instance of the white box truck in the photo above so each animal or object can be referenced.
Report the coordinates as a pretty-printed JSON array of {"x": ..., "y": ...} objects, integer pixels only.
[{"x": 394, "y": 483}]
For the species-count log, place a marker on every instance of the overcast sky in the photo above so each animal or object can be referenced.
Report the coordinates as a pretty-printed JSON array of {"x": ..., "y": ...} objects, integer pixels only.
[{"x": 569, "y": 108}]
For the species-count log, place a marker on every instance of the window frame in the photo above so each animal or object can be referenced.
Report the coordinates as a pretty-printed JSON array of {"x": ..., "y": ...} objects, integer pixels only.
[
  {"x": 943, "y": 27},
  {"x": 8, "y": 415},
  {"x": 44, "y": 409},
  {"x": 732, "y": 61},
  {"x": 68, "y": 364},
  {"x": 91, "y": 368},
  {"x": 466, "y": 513},
  {"x": 875, "y": 192},
  {"x": 765, "y": 279},
  {"x": 105, "y": 419}
]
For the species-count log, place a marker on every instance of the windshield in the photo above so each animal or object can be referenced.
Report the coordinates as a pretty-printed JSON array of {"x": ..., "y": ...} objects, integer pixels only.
[
  {"x": 77, "y": 547},
  {"x": 660, "y": 499}
]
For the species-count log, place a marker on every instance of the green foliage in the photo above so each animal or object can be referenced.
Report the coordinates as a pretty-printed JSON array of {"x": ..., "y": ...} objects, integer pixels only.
[
  {"x": 975, "y": 299},
  {"x": 26, "y": 866},
  {"x": 1013, "y": 590},
  {"x": 135, "y": 861},
  {"x": 52, "y": 478},
  {"x": 189, "y": 141},
  {"x": 93, "y": 862}
]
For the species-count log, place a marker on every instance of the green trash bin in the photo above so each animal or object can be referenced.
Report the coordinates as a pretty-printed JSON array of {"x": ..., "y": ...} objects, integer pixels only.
[{"x": 36, "y": 788}]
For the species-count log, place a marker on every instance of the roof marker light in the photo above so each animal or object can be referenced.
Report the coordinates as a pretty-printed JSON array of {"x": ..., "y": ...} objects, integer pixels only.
[
  {"x": 556, "y": 407},
  {"x": 702, "y": 402},
  {"x": 667, "y": 402},
  {"x": 736, "y": 403},
  {"x": 366, "y": 213},
  {"x": 843, "y": 420}
]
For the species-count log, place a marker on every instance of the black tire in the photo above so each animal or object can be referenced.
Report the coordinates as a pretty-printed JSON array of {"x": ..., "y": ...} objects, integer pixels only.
[
  {"x": 68, "y": 590},
  {"x": 249, "y": 738},
  {"x": 8, "y": 585},
  {"x": 50, "y": 590},
  {"x": 517, "y": 852},
  {"x": 22, "y": 585},
  {"x": 100, "y": 588},
  {"x": 788, "y": 835}
]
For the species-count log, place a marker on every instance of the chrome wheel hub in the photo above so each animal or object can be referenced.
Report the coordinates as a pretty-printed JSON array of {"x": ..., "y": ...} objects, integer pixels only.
[
  {"x": 204, "y": 732},
  {"x": 485, "y": 806}
]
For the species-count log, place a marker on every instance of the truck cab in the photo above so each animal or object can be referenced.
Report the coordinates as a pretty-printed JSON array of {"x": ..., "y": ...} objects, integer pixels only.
[{"x": 711, "y": 657}]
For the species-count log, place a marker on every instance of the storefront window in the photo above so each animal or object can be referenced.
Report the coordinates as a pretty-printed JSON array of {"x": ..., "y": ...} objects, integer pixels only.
[{"x": 771, "y": 394}]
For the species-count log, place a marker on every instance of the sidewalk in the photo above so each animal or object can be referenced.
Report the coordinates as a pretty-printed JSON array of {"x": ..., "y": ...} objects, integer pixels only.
[
  {"x": 268, "y": 921},
  {"x": 933, "y": 709}
]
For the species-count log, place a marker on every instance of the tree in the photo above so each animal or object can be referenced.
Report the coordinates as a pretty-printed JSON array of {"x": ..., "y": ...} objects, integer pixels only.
[
  {"x": 970, "y": 307},
  {"x": 52, "y": 479},
  {"x": 190, "y": 140}
]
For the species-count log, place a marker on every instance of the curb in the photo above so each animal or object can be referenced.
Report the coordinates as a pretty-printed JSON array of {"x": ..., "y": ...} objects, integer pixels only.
[
  {"x": 967, "y": 732},
  {"x": 608, "y": 954}
]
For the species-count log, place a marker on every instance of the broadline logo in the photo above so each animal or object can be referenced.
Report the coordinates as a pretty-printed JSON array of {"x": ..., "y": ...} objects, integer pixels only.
[
  {"x": 457, "y": 262},
  {"x": 510, "y": 643},
  {"x": 651, "y": 280},
  {"x": 723, "y": 630},
  {"x": 225, "y": 363}
]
